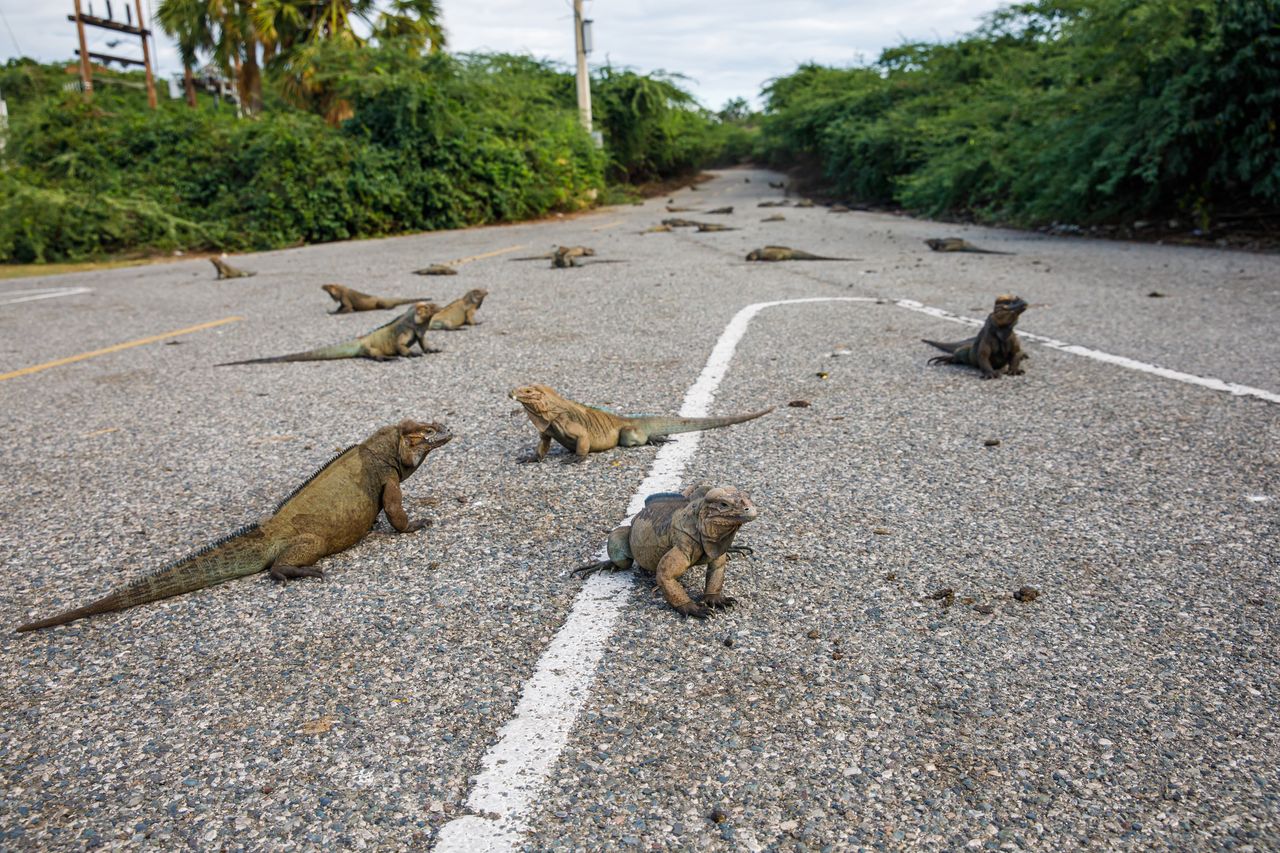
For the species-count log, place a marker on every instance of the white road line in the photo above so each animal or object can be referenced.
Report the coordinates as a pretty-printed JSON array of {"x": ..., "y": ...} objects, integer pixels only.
[
  {"x": 515, "y": 770},
  {"x": 43, "y": 293}
]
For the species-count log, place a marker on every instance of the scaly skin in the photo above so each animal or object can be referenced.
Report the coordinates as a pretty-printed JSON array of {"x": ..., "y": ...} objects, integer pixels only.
[
  {"x": 955, "y": 244},
  {"x": 225, "y": 270},
  {"x": 589, "y": 429},
  {"x": 330, "y": 512},
  {"x": 391, "y": 340},
  {"x": 676, "y": 531},
  {"x": 460, "y": 312},
  {"x": 353, "y": 300},
  {"x": 996, "y": 348},
  {"x": 785, "y": 253}
]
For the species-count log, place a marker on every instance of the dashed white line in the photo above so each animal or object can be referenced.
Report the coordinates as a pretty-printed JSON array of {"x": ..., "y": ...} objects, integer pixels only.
[
  {"x": 515, "y": 770},
  {"x": 43, "y": 293}
]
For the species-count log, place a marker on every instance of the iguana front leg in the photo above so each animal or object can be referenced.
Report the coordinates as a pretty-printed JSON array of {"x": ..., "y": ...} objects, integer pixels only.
[
  {"x": 984, "y": 364},
  {"x": 305, "y": 550},
  {"x": 1015, "y": 359},
  {"x": 544, "y": 447},
  {"x": 711, "y": 595},
  {"x": 670, "y": 568},
  {"x": 393, "y": 506}
]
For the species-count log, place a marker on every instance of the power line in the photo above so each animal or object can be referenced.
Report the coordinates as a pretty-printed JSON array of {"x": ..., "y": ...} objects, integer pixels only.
[{"x": 10, "y": 29}]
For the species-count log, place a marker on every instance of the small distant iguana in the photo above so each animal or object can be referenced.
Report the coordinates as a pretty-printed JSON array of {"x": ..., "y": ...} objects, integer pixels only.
[
  {"x": 330, "y": 512},
  {"x": 995, "y": 348},
  {"x": 350, "y": 300},
  {"x": 225, "y": 270},
  {"x": 777, "y": 217},
  {"x": 678, "y": 530},
  {"x": 590, "y": 429},
  {"x": 778, "y": 185},
  {"x": 955, "y": 244},
  {"x": 436, "y": 269},
  {"x": 780, "y": 203},
  {"x": 388, "y": 341},
  {"x": 804, "y": 202},
  {"x": 674, "y": 209},
  {"x": 657, "y": 229},
  {"x": 722, "y": 210},
  {"x": 714, "y": 226},
  {"x": 785, "y": 253},
  {"x": 567, "y": 251},
  {"x": 460, "y": 312},
  {"x": 680, "y": 223}
]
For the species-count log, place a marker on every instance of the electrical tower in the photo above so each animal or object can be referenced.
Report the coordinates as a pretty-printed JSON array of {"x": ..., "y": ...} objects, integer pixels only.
[{"x": 108, "y": 23}]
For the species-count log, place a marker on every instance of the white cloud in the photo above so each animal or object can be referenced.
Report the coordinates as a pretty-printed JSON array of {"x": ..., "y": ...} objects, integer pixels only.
[{"x": 726, "y": 49}]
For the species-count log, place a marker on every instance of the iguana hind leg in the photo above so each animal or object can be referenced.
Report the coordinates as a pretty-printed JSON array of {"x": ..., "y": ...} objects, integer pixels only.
[
  {"x": 284, "y": 572},
  {"x": 619, "y": 554}
]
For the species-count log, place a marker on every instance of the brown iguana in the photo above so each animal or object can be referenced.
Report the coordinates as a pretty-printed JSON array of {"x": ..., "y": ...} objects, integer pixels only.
[
  {"x": 568, "y": 259},
  {"x": 780, "y": 203},
  {"x": 677, "y": 530},
  {"x": 353, "y": 300},
  {"x": 330, "y": 512},
  {"x": 460, "y": 312},
  {"x": 955, "y": 244},
  {"x": 674, "y": 209},
  {"x": 785, "y": 253},
  {"x": 390, "y": 340},
  {"x": 591, "y": 429},
  {"x": 724, "y": 210},
  {"x": 680, "y": 223},
  {"x": 225, "y": 270},
  {"x": 657, "y": 229},
  {"x": 804, "y": 202},
  {"x": 436, "y": 269},
  {"x": 568, "y": 251},
  {"x": 714, "y": 226},
  {"x": 995, "y": 348},
  {"x": 777, "y": 217}
]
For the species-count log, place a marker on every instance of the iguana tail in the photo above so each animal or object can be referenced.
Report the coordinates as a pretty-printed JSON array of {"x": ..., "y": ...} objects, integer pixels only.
[
  {"x": 945, "y": 347},
  {"x": 245, "y": 552},
  {"x": 351, "y": 349},
  {"x": 396, "y": 303},
  {"x": 662, "y": 425}
]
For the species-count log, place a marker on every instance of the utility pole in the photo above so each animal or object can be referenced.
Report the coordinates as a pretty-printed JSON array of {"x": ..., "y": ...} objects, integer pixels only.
[
  {"x": 146, "y": 56},
  {"x": 86, "y": 74},
  {"x": 580, "y": 48}
]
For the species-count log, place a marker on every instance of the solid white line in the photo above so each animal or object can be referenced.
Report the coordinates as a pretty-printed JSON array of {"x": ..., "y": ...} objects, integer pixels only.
[
  {"x": 45, "y": 293},
  {"x": 515, "y": 770}
]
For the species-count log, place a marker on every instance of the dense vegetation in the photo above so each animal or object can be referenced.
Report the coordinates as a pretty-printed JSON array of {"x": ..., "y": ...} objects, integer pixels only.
[
  {"x": 1080, "y": 111},
  {"x": 429, "y": 141}
]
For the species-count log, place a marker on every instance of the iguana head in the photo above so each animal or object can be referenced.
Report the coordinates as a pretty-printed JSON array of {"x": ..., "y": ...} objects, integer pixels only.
[
  {"x": 423, "y": 311},
  {"x": 1007, "y": 309},
  {"x": 724, "y": 510},
  {"x": 334, "y": 290},
  {"x": 536, "y": 399},
  {"x": 476, "y": 297},
  {"x": 417, "y": 439},
  {"x": 755, "y": 255}
]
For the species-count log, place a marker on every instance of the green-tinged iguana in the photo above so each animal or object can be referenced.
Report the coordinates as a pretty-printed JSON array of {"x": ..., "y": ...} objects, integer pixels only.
[
  {"x": 225, "y": 270},
  {"x": 955, "y": 244},
  {"x": 677, "y": 530},
  {"x": 590, "y": 429},
  {"x": 330, "y": 512},
  {"x": 674, "y": 209},
  {"x": 460, "y": 312},
  {"x": 353, "y": 300},
  {"x": 567, "y": 251},
  {"x": 777, "y": 217},
  {"x": 680, "y": 223},
  {"x": 995, "y": 348},
  {"x": 391, "y": 340},
  {"x": 721, "y": 210},
  {"x": 436, "y": 269},
  {"x": 785, "y": 253}
]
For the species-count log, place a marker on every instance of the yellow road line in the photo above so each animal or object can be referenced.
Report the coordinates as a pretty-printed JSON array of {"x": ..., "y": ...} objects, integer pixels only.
[
  {"x": 609, "y": 225},
  {"x": 116, "y": 348},
  {"x": 457, "y": 261}
]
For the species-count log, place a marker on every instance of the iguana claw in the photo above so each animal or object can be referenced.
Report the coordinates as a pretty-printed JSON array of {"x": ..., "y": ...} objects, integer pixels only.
[
  {"x": 693, "y": 609},
  {"x": 717, "y": 601},
  {"x": 286, "y": 573},
  {"x": 591, "y": 568},
  {"x": 744, "y": 550}
]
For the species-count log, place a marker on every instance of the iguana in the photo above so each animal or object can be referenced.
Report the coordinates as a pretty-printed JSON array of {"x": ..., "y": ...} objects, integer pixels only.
[
  {"x": 838, "y": 208},
  {"x": 955, "y": 244},
  {"x": 995, "y": 348},
  {"x": 460, "y": 312},
  {"x": 391, "y": 340},
  {"x": 436, "y": 269},
  {"x": 724, "y": 210},
  {"x": 569, "y": 258},
  {"x": 680, "y": 223},
  {"x": 677, "y": 530},
  {"x": 674, "y": 209},
  {"x": 657, "y": 229},
  {"x": 777, "y": 217},
  {"x": 590, "y": 429},
  {"x": 714, "y": 226},
  {"x": 785, "y": 253},
  {"x": 568, "y": 251},
  {"x": 328, "y": 513},
  {"x": 779, "y": 185},
  {"x": 780, "y": 203},
  {"x": 804, "y": 202},
  {"x": 353, "y": 300},
  {"x": 225, "y": 270}
]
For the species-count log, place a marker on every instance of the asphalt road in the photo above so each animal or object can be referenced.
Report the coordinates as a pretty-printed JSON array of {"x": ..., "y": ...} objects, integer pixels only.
[{"x": 1133, "y": 704}]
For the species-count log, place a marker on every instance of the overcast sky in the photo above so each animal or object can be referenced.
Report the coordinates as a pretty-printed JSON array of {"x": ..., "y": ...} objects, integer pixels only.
[{"x": 728, "y": 48}]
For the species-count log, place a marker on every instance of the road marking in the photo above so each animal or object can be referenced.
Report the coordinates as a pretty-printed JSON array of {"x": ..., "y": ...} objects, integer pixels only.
[
  {"x": 43, "y": 293},
  {"x": 605, "y": 227},
  {"x": 36, "y": 368},
  {"x": 456, "y": 261}
]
